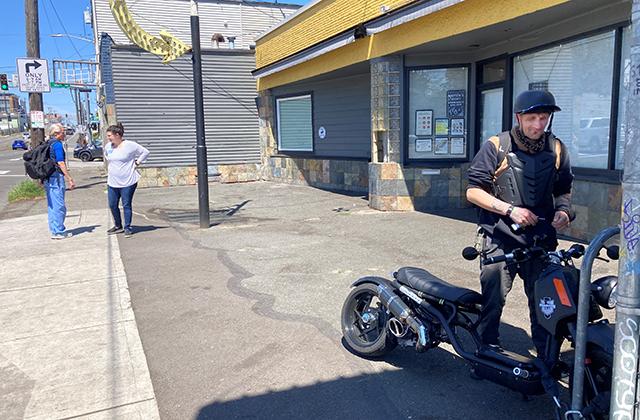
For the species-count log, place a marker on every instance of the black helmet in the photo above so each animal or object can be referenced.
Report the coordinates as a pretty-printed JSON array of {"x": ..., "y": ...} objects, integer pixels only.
[{"x": 535, "y": 101}]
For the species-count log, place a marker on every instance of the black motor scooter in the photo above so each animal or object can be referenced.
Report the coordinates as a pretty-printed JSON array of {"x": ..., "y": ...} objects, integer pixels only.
[{"x": 420, "y": 310}]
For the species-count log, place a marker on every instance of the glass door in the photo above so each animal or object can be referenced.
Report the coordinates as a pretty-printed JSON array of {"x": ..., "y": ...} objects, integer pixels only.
[{"x": 490, "y": 112}]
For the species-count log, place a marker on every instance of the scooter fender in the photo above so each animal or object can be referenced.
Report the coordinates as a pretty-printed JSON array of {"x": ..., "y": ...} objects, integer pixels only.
[
  {"x": 602, "y": 334},
  {"x": 374, "y": 280}
]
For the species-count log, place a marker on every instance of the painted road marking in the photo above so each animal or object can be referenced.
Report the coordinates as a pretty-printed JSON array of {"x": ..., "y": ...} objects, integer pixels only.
[
  {"x": 12, "y": 175},
  {"x": 13, "y": 160},
  {"x": 4, "y": 172}
]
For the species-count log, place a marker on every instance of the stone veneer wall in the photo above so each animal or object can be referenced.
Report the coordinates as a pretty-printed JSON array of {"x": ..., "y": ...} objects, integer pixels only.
[
  {"x": 345, "y": 175},
  {"x": 393, "y": 187},
  {"x": 597, "y": 205},
  {"x": 169, "y": 177}
]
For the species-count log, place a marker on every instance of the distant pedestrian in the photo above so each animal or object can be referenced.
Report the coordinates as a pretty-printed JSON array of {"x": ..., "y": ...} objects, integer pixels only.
[
  {"x": 55, "y": 184},
  {"x": 123, "y": 157}
]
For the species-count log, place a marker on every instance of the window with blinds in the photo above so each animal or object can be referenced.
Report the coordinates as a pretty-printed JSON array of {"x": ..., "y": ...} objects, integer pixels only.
[{"x": 295, "y": 126}]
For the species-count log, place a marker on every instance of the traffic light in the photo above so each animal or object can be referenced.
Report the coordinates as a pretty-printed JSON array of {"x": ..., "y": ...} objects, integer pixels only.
[{"x": 4, "y": 84}]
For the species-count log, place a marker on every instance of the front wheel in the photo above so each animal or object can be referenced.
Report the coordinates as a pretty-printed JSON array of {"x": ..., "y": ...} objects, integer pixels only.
[
  {"x": 364, "y": 323},
  {"x": 597, "y": 383},
  {"x": 85, "y": 157}
]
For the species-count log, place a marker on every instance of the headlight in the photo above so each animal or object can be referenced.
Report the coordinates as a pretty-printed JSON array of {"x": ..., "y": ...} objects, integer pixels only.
[{"x": 603, "y": 291}]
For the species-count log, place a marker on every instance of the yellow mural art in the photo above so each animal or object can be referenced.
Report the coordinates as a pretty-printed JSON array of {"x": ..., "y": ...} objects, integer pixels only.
[{"x": 165, "y": 45}]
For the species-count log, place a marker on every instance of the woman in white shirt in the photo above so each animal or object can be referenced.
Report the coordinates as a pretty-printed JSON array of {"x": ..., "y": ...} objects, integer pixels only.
[{"x": 123, "y": 157}]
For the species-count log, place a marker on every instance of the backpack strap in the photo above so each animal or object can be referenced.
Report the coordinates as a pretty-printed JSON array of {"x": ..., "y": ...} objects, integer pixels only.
[{"x": 502, "y": 143}]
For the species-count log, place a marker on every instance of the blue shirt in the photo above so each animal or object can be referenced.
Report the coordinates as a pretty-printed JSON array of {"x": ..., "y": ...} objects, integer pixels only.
[{"x": 57, "y": 151}]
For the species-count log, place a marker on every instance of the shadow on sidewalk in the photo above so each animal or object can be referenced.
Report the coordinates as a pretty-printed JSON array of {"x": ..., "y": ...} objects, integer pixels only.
[
  {"x": 83, "y": 186},
  {"x": 83, "y": 229},
  {"x": 148, "y": 228},
  {"x": 216, "y": 216}
]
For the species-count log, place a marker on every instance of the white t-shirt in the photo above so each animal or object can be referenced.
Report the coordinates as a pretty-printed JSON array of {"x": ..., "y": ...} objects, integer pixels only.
[{"x": 122, "y": 163}]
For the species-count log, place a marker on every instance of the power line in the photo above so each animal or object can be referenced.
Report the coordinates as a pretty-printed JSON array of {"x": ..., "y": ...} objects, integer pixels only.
[
  {"x": 46, "y": 15},
  {"x": 64, "y": 28}
]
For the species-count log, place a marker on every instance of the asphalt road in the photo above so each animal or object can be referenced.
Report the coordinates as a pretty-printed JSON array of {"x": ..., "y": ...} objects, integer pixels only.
[{"x": 12, "y": 168}]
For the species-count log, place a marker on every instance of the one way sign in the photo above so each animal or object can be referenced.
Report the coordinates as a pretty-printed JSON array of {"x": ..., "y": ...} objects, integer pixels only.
[{"x": 33, "y": 75}]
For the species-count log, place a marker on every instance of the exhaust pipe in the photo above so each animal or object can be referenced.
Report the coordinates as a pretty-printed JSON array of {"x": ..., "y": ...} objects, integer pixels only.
[
  {"x": 397, "y": 328},
  {"x": 402, "y": 312}
]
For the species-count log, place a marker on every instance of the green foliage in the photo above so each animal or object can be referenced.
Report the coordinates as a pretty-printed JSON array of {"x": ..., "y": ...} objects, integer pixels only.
[{"x": 26, "y": 190}]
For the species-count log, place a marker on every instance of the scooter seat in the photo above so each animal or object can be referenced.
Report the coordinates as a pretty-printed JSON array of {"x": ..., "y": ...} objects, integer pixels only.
[{"x": 421, "y": 279}]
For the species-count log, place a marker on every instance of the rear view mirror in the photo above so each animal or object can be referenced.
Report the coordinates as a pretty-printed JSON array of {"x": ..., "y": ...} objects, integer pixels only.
[
  {"x": 470, "y": 253},
  {"x": 613, "y": 252}
]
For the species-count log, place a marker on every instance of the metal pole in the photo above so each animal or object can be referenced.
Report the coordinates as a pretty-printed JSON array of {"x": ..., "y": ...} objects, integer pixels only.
[
  {"x": 624, "y": 393},
  {"x": 90, "y": 140},
  {"x": 201, "y": 148},
  {"x": 33, "y": 51},
  {"x": 584, "y": 295}
]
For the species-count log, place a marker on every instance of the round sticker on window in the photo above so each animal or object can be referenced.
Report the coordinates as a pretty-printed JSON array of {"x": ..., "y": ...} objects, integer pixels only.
[{"x": 322, "y": 133}]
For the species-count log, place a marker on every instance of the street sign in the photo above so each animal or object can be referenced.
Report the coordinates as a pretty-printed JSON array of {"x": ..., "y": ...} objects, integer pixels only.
[
  {"x": 33, "y": 75},
  {"x": 37, "y": 119},
  {"x": 14, "y": 80},
  {"x": 59, "y": 85}
]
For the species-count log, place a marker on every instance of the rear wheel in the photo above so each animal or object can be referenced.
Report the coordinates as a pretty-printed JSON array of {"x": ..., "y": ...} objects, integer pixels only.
[
  {"x": 364, "y": 323},
  {"x": 85, "y": 157}
]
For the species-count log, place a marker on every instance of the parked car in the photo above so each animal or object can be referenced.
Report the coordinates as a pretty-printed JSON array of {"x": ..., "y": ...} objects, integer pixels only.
[
  {"x": 593, "y": 135},
  {"x": 19, "y": 144},
  {"x": 89, "y": 152},
  {"x": 26, "y": 135},
  {"x": 69, "y": 131}
]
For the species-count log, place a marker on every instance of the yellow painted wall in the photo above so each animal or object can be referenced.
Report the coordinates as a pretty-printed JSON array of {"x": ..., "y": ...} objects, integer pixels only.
[
  {"x": 462, "y": 17},
  {"x": 320, "y": 22}
]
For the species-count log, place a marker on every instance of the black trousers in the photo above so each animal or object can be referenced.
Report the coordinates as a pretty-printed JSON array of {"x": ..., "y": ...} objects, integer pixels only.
[{"x": 496, "y": 281}]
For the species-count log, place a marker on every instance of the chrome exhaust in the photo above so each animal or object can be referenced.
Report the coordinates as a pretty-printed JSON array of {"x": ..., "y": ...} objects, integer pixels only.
[
  {"x": 397, "y": 328},
  {"x": 403, "y": 313}
]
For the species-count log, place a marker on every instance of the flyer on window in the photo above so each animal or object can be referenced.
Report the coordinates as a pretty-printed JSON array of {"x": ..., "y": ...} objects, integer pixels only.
[
  {"x": 457, "y": 127},
  {"x": 442, "y": 126},
  {"x": 442, "y": 146},
  {"x": 457, "y": 145},
  {"x": 424, "y": 122},
  {"x": 455, "y": 103},
  {"x": 424, "y": 145}
]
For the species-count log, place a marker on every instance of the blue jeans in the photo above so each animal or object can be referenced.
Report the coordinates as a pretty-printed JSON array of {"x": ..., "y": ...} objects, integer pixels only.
[
  {"x": 126, "y": 195},
  {"x": 56, "y": 210}
]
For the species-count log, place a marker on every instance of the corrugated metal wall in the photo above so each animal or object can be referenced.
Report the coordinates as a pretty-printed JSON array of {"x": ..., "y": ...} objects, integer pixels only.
[
  {"x": 343, "y": 107},
  {"x": 243, "y": 19},
  {"x": 155, "y": 104}
]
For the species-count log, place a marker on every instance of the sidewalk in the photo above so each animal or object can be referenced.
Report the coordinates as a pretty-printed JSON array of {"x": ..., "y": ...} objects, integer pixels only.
[{"x": 69, "y": 343}]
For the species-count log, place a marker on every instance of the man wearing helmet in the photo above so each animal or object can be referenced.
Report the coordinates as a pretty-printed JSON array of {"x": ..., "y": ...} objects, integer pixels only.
[{"x": 519, "y": 178}]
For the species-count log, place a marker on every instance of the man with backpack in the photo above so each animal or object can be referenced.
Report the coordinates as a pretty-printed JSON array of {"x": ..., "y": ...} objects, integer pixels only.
[
  {"x": 54, "y": 184},
  {"x": 521, "y": 181}
]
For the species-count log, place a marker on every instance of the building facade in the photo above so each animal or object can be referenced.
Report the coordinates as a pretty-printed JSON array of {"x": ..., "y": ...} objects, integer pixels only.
[
  {"x": 155, "y": 101},
  {"x": 394, "y": 98}
]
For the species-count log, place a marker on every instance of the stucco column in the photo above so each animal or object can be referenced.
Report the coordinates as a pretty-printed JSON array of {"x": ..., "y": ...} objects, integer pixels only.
[{"x": 387, "y": 188}]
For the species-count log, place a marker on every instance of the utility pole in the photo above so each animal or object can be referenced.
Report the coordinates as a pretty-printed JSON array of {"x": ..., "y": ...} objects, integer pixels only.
[
  {"x": 624, "y": 395},
  {"x": 201, "y": 146},
  {"x": 32, "y": 27}
]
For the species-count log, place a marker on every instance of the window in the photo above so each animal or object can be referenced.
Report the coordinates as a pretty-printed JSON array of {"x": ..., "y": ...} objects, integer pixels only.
[
  {"x": 579, "y": 75},
  {"x": 294, "y": 124},
  {"x": 438, "y": 126},
  {"x": 625, "y": 79}
]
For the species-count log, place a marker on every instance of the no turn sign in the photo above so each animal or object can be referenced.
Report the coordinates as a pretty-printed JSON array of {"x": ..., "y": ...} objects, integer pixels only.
[{"x": 33, "y": 75}]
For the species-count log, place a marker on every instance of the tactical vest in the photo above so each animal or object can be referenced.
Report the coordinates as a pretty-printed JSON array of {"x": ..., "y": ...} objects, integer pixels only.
[{"x": 523, "y": 179}]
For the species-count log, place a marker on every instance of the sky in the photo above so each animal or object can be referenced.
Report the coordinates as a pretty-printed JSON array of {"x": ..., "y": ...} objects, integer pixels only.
[{"x": 56, "y": 17}]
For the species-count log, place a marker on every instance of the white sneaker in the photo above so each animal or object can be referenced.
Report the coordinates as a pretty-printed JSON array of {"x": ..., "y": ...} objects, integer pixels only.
[{"x": 62, "y": 235}]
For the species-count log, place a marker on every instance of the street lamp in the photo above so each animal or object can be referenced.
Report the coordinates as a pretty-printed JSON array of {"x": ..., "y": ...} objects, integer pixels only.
[{"x": 81, "y": 38}]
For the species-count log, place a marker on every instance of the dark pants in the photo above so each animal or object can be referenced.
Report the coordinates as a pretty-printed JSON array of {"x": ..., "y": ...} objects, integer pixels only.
[
  {"x": 115, "y": 195},
  {"x": 496, "y": 281}
]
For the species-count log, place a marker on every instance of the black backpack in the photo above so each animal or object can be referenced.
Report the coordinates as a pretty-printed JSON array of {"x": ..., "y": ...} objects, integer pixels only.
[{"x": 38, "y": 162}]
